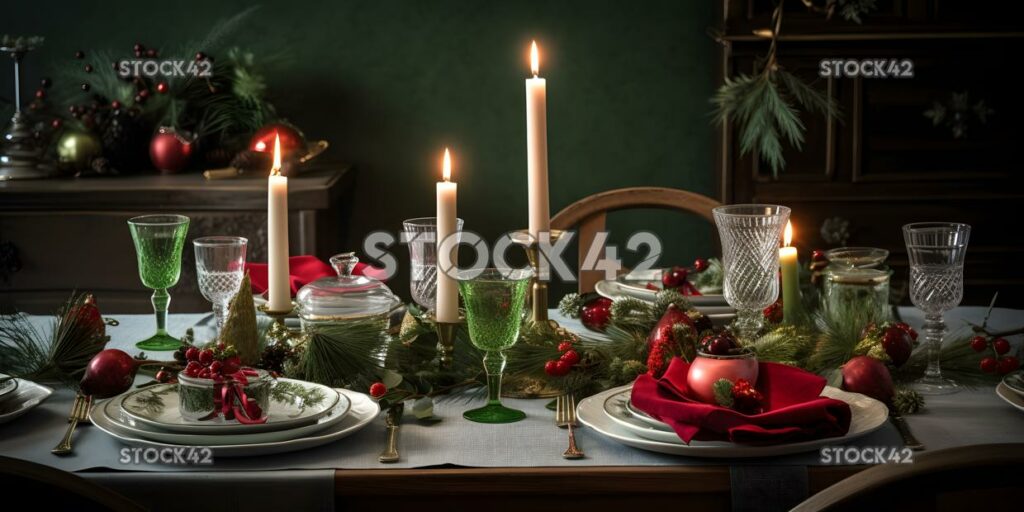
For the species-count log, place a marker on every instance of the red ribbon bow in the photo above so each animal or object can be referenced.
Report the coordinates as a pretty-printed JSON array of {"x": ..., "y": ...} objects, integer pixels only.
[{"x": 230, "y": 400}]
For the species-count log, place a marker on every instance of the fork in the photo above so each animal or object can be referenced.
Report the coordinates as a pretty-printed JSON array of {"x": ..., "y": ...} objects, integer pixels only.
[
  {"x": 390, "y": 453},
  {"x": 79, "y": 413},
  {"x": 565, "y": 417}
]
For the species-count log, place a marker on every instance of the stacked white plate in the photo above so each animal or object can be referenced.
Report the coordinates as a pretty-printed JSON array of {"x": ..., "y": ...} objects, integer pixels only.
[
  {"x": 612, "y": 415},
  {"x": 18, "y": 396},
  {"x": 635, "y": 285},
  {"x": 149, "y": 417},
  {"x": 1011, "y": 389}
]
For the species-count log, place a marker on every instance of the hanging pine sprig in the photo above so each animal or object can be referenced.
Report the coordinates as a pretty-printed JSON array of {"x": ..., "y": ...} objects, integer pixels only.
[{"x": 766, "y": 106}]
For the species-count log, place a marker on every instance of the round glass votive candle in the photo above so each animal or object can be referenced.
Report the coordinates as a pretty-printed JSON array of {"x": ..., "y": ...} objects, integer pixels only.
[{"x": 860, "y": 289}]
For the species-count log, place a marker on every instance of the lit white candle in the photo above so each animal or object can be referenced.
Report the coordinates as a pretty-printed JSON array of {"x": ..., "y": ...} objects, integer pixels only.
[
  {"x": 447, "y": 288},
  {"x": 537, "y": 147},
  {"x": 790, "y": 263},
  {"x": 277, "y": 236}
]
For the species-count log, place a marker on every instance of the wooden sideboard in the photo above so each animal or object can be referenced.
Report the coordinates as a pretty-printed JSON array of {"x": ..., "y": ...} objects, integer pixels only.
[
  {"x": 72, "y": 234},
  {"x": 885, "y": 164}
]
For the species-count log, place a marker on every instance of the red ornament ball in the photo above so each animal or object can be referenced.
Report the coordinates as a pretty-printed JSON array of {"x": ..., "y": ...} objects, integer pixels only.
[
  {"x": 170, "y": 150},
  {"x": 868, "y": 376},
  {"x": 291, "y": 139},
  {"x": 898, "y": 344},
  {"x": 1001, "y": 346},
  {"x": 979, "y": 343},
  {"x": 110, "y": 372},
  {"x": 596, "y": 313},
  {"x": 378, "y": 389}
]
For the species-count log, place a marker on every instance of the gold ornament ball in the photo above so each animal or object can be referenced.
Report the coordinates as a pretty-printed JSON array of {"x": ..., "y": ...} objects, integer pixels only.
[{"x": 76, "y": 149}]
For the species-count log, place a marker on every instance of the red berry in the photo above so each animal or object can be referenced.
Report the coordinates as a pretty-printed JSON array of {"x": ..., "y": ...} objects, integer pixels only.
[
  {"x": 1008, "y": 364},
  {"x": 193, "y": 368},
  {"x": 773, "y": 313},
  {"x": 40, "y": 93},
  {"x": 192, "y": 354},
  {"x": 979, "y": 343},
  {"x": 216, "y": 367},
  {"x": 161, "y": 87},
  {"x": 817, "y": 255},
  {"x": 56, "y": 124},
  {"x": 989, "y": 365},
  {"x": 115, "y": 104},
  {"x": 378, "y": 389},
  {"x": 88, "y": 68},
  {"x": 206, "y": 357},
  {"x": 200, "y": 56},
  {"x": 231, "y": 365},
  {"x": 564, "y": 346},
  {"x": 572, "y": 357},
  {"x": 562, "y": 368},
  {"x": 163, "y": 376},
  {"x": 551, "y": 369},
  {"x": 700, "y": 264},
  {"x": 205, "y": 373},
  {"x": 674, "y": 277},
  {"x": 1001, "y": 345},
  {"x": 79, "y": 54}
]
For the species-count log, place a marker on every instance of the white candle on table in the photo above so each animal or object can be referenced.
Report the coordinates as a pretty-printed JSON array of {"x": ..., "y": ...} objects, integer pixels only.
[
  {"x": 537, "y": 148},
  {"x": 278, "y": 286},
  {"x": 447, "y": 288}
]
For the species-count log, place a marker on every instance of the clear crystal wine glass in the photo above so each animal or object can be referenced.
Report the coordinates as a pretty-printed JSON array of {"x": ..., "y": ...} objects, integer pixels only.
[
  {"x": 421, "y": 236},
  {"x": 936, "y": 251},
  {"x": 494, "y": 312},
  {"x": 159, "y": 240},
  {"x": 220, "y": 265},
  {"x": 750, "y": 235}
]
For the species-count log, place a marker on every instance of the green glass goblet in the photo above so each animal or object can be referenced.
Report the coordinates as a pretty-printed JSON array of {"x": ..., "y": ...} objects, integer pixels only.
[
  {"x": 494, "y": 311},
  {"x": 159, "y": 240}
]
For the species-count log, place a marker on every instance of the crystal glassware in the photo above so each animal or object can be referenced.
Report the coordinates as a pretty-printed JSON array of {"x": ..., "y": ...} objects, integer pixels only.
[
  {"x": 494, "y": 312},
  {"x": 220, "y": 266},
  {"x": 421, "y": 236},
  {"x": 159, "y": 240},
  {"x": 750, "y": 235},
  {"x": 936, "y": 252}
]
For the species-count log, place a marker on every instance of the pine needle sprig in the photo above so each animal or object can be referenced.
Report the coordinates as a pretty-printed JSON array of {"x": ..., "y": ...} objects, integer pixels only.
[{"x": 343, "y": 355}]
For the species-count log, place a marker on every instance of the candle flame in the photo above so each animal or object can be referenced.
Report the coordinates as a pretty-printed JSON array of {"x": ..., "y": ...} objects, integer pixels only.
[
  {"x": 446, "y": 168},
  {"x": 787, "y": 235},
  {"x": 275, "y": 170},
  {"x": 534, "y": 59}
]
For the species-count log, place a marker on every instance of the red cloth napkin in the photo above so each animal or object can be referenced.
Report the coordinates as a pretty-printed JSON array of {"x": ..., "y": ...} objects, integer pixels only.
[
  {"x": 794, "y": 411},
  {"x": 303, "y": 270}
]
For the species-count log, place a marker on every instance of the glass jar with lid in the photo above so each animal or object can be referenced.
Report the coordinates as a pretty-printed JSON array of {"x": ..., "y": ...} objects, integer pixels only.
[
  {"x": 857, "y": 278},
  {"x": 345, "y": 298}
]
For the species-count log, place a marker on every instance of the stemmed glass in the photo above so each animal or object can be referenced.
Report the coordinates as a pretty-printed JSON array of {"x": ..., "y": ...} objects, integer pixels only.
[
  {"x": 494, "y": 312},
  {"x": 421, "y": 236},
  {"x": 220, "y": 265},
  {"x": 750, "y": 236},
  {"x": 936, "y": 251},
  {"x": 159, "y": 240}
]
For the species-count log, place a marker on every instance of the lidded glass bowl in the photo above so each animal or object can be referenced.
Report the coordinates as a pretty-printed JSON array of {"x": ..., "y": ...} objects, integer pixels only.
[{"x": 345, "y": 297}]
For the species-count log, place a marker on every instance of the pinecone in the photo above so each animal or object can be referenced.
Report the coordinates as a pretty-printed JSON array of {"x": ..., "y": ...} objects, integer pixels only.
[
  {"x": 101, "y": 165},
  {"x": 907, "y": 401},
  {"x": 125, "y": 143}
]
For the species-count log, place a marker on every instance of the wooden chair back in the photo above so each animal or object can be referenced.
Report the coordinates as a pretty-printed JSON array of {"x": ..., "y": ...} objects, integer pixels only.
[
  {"x": 959, "y": 478},
  {"x": 589, "y": 216}
]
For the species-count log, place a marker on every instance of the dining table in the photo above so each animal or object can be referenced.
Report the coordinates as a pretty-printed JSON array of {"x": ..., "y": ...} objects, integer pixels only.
[{"x": 453, "y": 461}]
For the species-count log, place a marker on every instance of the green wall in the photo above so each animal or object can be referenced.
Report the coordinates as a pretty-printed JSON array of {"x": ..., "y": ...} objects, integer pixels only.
[{"x": 390, "y": 83}]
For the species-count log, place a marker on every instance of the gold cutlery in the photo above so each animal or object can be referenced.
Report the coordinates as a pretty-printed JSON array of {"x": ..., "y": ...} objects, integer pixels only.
[
  {"x": 565, "y": 417},
  {"x": 900, "y": 422},
  {"x": 79, "y": 413},
  {"x": 394, "y": 417}
]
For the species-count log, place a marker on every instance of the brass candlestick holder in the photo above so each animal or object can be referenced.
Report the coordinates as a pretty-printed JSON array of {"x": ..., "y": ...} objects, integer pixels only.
[
  {"x": 538, "y": 323},
  {"x": 278, "y": 331},
  {"x": 446, "y": 342}
]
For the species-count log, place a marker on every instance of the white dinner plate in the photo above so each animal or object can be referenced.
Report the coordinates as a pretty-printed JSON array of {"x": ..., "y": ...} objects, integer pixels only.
[
  {"x": 1015, "y": 382},
  {"x": 112, "y": 412},
  {"x": 28, "y": 395},
  {"x": 363, "y": 411},
  {"x": 1010, "y": 396},
  {"x": 157, "y": 406},
  {"x": 868, "y": 415}
]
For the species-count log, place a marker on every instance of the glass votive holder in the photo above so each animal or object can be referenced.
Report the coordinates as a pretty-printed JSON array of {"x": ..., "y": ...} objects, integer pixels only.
[{"x": 864, "y": 290}]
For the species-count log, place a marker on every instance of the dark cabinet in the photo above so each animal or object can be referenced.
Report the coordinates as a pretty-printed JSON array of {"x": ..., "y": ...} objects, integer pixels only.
[
  {"x": 72, "y": 234},
  {"x": 887, "y": 162}
]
